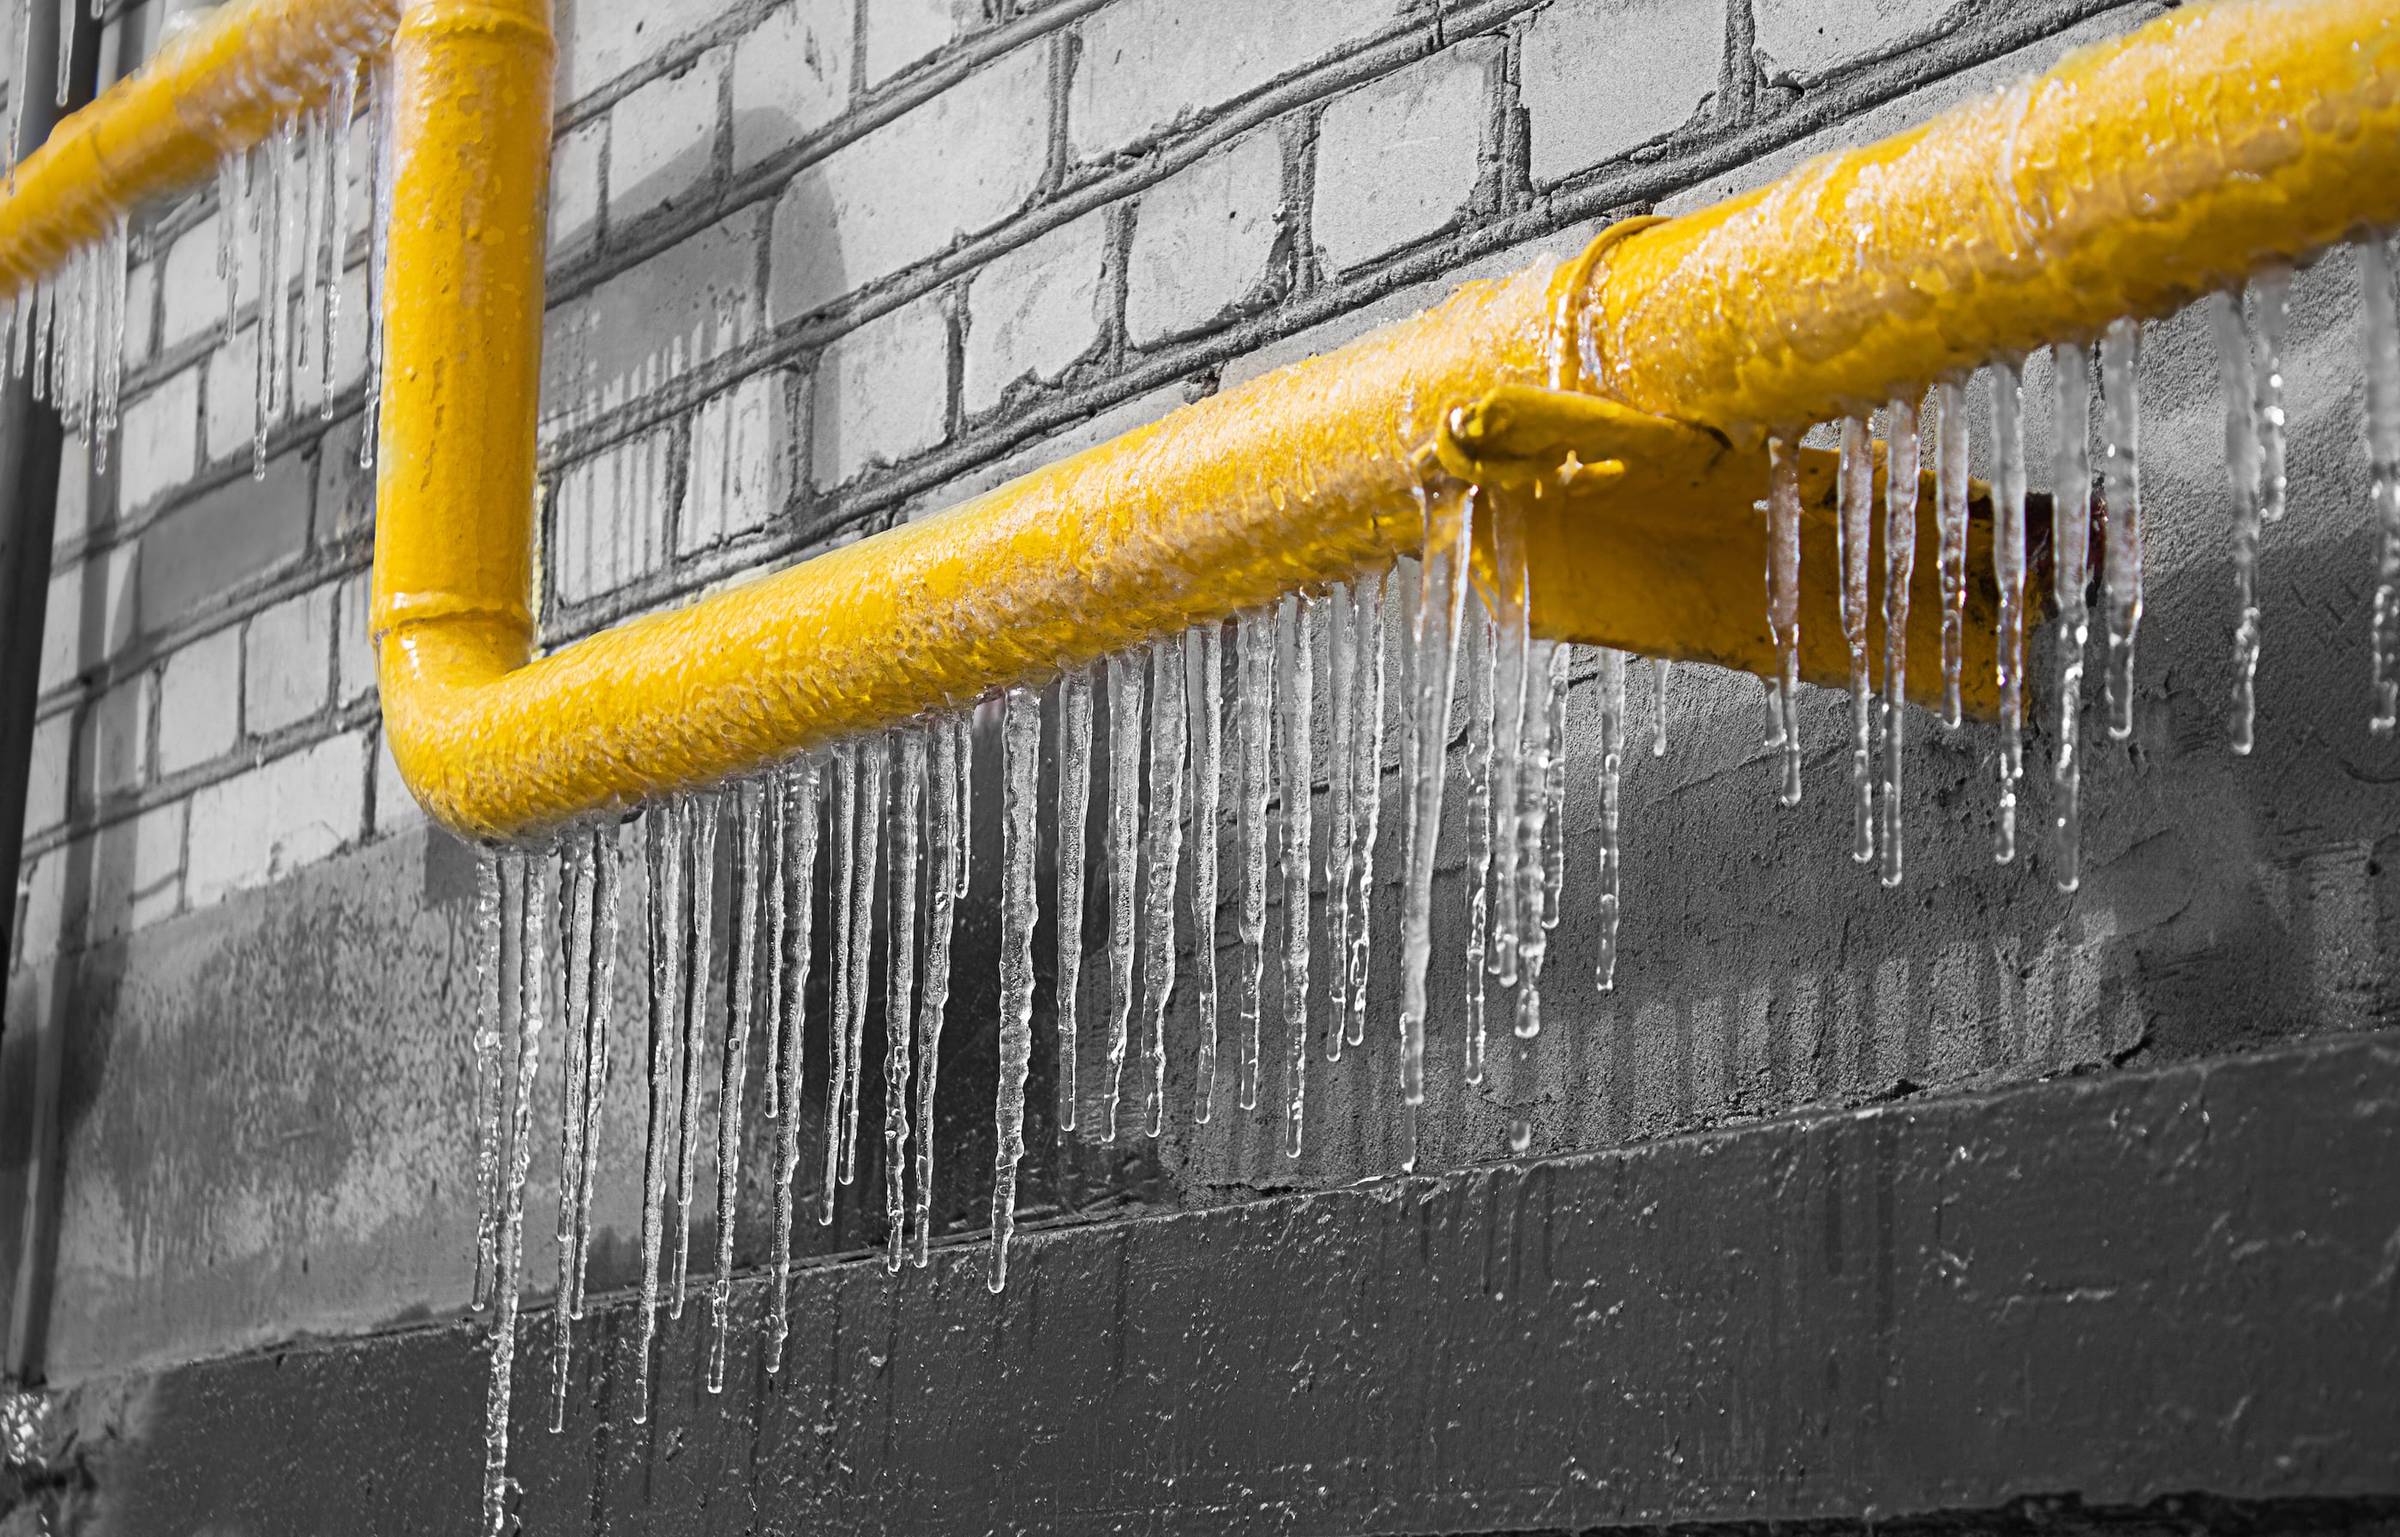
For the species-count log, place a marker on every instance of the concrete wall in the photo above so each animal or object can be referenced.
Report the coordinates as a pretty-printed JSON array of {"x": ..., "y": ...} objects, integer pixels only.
[{"x": 821, "y": 265}]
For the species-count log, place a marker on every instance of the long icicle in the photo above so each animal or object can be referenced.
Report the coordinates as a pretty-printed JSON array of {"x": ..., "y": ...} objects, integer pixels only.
[
  {"x": 1950, "y": 516},
  {"x": 379, "y": 237},
  {"x": 741, "y": 961},
  {"x": 2008, "y": 574},
  {"x": 1612, "y": 774},
  {"x": 2271, "y": 291},
  {"x": 1441, "y": 598},
  {"x": 1165, "y": 850},
  {"x": 1554, "y": 780},
  {"x": 1532, "y": 823},
  {"x": 490, "y": 1070},
  {"x": 1296, "y": 623},
  {"x": 2070, "y": 557},
  {"x": 1854, "y": 533},
  {"x": 874, "y": 765},
  {"x": 608, "y": 900},
  {"x": 533, "y": 975},
  {"x": 2381, "y": 334},
  {"x": 699, "y": 986},
  {"x": 573, "y": 1084},
  {"x": 1069, "y": 824},
  {"x": 941, "y": 889},
  {"x": 340, "y": 108},
  {"x": 1783, "y": 600},
  {"x": 1480, "y": 725},
  {"x": 1204, "y": 668},
  {"x": 843, "y": 893},
  {"x": 2244, "y": 411},
  {"x": 1366, "y": 789},
  {"x": 1254, "y": 655},
  {"x": 1341, "y": 850},
  {"x": 1899, "y": 570},
  {"x": 1021, "y": 755},
  {"x": 801, "y": 814},
  {"x": 2120, "y": 399},
  {"x": 664, "y": 827},
  {"x": 1508, "y": 754},
  {"x": 1124, "y": 840},
  {"x": 900, "y": 993}
]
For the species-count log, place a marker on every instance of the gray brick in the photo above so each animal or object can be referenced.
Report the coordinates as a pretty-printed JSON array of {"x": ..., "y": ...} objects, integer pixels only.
[
  {"x": 141, "y": 312},
  {"x": 112, "y": 742},
  {"x": 1807, "y": 38},
  {"x": 882, "y": 392},
  {"x": 575, "y": 188},
  {"x": 136, "y": 869},
  {"x": 234, "y": 537},
  {"x": 230, "y": 419},
  {"x": 1202, "y": 239},
  {"x": 1399, "y": 157},
  {"x": 160, "y": 441},
  {"x": 287, "y": 662},
  {"x": 90, "y": 613},
  {"x": 902, "y": 32},
  {"x": 191, "y": 294},
  {"x": 200, "y": 701},
  {"x": 791, "y": 76},
  {"x": 662, "y": 139},
  {"x": 354, "y": 640},
  {"x": 271, "y": 820},
  {"x": 600, "y": 40},
  {"x": 645, "y": 327},
  {"x": 1598, "y": 77},
  {"x": 609, "y": 527},
  {"x": 345, "y": 489},
  {"x": 956, "y": 165},
  {"x": 1147, "y": 65},
  {"x": 396, "y": 808},
  {"x": 1034, "y": 310},
  {"x": 349, "y": 348},
  {"x": 47, "y": 769},
  {"x": 741, "y": 462}
]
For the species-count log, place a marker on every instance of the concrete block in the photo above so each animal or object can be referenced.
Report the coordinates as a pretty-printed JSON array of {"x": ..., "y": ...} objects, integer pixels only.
[
  {"x": 112, "y": 742},
  {"x": 882, "y": 392},
  {"x": 1598, "y": 77},
  {"x": 600, "y": 40},
  {"x": 647, "y": 326},
  {"x": 287, "y": 662},
  {"x": 740, "y": 469},
  {"x": 90, "y": 613},
  {"x": 956, "y": 165},
  {"x": 662, "y": 139},
  {"x": 1203, "y": 238},
  {"x": 791, "y": 76},
  {"x": 902, "y": 32},
  {"x": 1035, "y": 309},
  {"x": 47, "y": 771},
  {"x": 1147, "y": 65},
  {"x": 230, "y": 415},
  {"x": 575, "y": 188},
  {"x": 609, "y": 525},
  {"x": 136, "y": 871},
  {"x": 271, "y": 820},
  {"x": 1804, "y": 39},
  {"x": 1399, "y": 157},
  {"x": 200, "y": 701},
  {"x": 354, "y": 641},
  {"x": 239, "y": 534},
  {"x": 160, "y": 441}
]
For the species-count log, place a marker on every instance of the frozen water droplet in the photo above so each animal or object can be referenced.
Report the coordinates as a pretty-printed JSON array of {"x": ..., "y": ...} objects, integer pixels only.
[{"x": 1612, "y": 769}]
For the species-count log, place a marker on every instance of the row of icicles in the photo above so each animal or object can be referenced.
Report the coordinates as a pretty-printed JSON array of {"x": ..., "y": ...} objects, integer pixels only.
[{"x": 898, "y": 804}]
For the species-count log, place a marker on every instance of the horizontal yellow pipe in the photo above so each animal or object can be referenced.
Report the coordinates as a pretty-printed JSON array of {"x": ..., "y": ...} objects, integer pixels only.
[{"x": 217, "y": 86}]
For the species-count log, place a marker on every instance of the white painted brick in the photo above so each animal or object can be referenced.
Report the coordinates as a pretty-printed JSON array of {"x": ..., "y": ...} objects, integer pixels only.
[
  {"x": 1035, "y": 310},
  {"x": 47, "y": 771},
  {"x": 575, "y": 187},
  {"x": 287, "y": 662},
  {"x": 1802, "y": 39},
  {"x": 191, "y": 293},
  {"x": 958, "y": 164},
  {"x": 160, "y": 439},
  {"x": 901, "y": 32},
  {"x": 141, "y": 312},
  {"x": 882, "y": 392},
  {"x": 136, "y": 871},
  {"x": 396, "y": 808},
  {"x": 1598, "y": 77},
  {"x": 610, "y": 526},
  {"x": 740, "y": 468},
  {"x": 791, "y": 76},
  {"x": 230, "y": 416},
  {"x": 1202, "y": 239},
  {"x": 662, "y": 138},
  {"x": 276, "y": 818},
  {"x": 603, "y": 39},
  {"x": 1398, "y": 158},
  {"x": 354, "y": 640},
  {"x": 1149, "y": 64},
  {"x": 200, "y": 701},
  {"x": 112, "y": 741},
  {"x": 645, "y": 327},
  {"x": 89, "y": 615},
  {"x": 74, "y": 516}
]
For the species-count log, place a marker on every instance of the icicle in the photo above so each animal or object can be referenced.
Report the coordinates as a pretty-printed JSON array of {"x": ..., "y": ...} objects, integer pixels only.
[
  {"x": 315, "y": 198},
  {"x": 800, "y": 813},
  {"x": 2245, "y": 412},
  {"x": 2272, "y": 290},
  {"x": 1554, "y": 781},
  {"x": 2382, "y": 335},
  {"x": 1899, "y": 570},
  {"x": 233, "y": 175},
  {"x": 1295, "y": 653},
  {"x": 900, "y": 1001},
  {"x": 1856, "y": 498},
  {"x": 600, "y": 1016},
  {"x": 1165, "y": 860},
  {"x": 668, "y": 828},
  {"x": 1508, "y": 754},
  {"x": 66, "y": 54},
  {"x": 1442, "y": 576},
  {"x": 874, "y": 767},
  {"x": 1532, "y": 822},
  {"x": 742, "y": 965},
  {"x": 2070, "y": 548},
  {"x": 1612, "y": 769},
  {"x": 699, "y": 984},
  {"x": 533, "y": 972},
  {"x": 274, "y": 335},
  {"x": 965, "y": 725},
  {"x": 2008, "y": 574},
  {"x": 20, "y": 100},
  {"x": 1950, "y": 514},
  {"x": 1480, "y": 725},
  {"x": 45, "y": 306},
  {"x": 1206, "y": 690},
  {"x": 1660, "y": 667},
  {"x": 1783, "y": 599},
  {"x": 1366, "y": 789},
  {"x": 844, "y": 890},
  {"x": 379, "y": 226},
  {"x": 266, "y": 227},
  {"x": 573, "y": 1121},
  {"x": 340, "y": 109},
  {"x": 111, "y": 362},
  {"x": 1341, "y": 850},
  {"x": 941, "y": 888},
  {"x": 1254, "y": 655},
  {"x": 1125, "y": 720},
  {"x": 1021, "y": 755},
  {"x": 1074, "y": 804},
  {"x": 2120, "y": 401},
  {"x": 489, "y": 1070}
]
